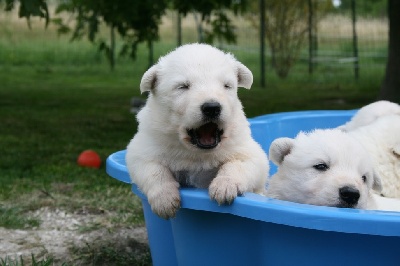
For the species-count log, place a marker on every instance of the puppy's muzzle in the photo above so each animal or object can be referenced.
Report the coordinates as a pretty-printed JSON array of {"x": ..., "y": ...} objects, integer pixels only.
[
  {"x": 349, "y": 196},
  {"x": 208, "y": 135}
]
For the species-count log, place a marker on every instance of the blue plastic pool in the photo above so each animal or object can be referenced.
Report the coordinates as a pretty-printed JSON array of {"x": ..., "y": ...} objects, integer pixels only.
[{"x": 256, "y": 230}]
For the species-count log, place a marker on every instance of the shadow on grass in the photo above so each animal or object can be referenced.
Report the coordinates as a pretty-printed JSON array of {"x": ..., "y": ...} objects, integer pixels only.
[{"x": 130, "y": 252}]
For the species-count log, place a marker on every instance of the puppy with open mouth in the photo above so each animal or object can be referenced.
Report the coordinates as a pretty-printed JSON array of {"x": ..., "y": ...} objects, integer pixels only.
[{"x": 193, "y": 131}]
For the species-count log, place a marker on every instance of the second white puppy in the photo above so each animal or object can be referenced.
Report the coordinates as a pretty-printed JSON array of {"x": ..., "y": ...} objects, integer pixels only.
[
  {"x": 324, "y": 167},
  {"x": 370, "y": 113},
  {"x": 381, "y": 139}
]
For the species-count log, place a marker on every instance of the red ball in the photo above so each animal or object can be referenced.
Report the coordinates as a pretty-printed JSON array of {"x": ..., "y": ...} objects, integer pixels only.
[{"x": 89, "y": 158}]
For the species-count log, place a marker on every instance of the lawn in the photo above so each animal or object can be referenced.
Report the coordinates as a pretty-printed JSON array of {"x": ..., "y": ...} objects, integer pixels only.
[
  {"x": 58, "y": 99},
  {"x": 47, "y": 119}
]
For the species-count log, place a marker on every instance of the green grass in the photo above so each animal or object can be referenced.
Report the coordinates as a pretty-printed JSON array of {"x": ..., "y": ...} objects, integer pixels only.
[
  {"x": 14, "y": 218},
  {"x": 33, "y": 262},
  {"x": 58, "y": 99},
  {"x": 112, "y": 254},
  {"x": 48, "y": 118}
]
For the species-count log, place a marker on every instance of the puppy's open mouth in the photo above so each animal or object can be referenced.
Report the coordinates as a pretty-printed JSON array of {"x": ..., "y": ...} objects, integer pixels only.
[{"x": 205, "y": 137}]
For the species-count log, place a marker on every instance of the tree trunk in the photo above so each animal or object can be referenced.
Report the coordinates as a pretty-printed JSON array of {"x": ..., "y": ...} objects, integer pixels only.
[
  {"x": 390, "y": 89},
  {"x": 151, "y": 52},
  {"x": 112, "y": 48},
  {"x": 179, "y": 29},
  {"x": 262, "y": 42},
  {"x": 199, "y": 27}
]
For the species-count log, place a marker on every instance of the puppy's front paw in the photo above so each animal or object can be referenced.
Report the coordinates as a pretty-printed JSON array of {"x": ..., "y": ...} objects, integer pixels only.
[
  {"x": 224, "y": 190},
  {"x": 165, "y": 201}
]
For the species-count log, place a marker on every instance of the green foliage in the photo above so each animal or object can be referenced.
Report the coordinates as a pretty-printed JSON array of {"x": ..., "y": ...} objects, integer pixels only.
[
  {"x": 374, "y": 8},
  {"x": 214, "y": 14},
  {"x": 138, "y": 21},
  {"x": 135, "y": 21},
  {"x": 286, "y": 27},
  {"x": 29, "y": 8},
  {"x": 222, "y": 29},
  {"x": 207, "y": 7}
]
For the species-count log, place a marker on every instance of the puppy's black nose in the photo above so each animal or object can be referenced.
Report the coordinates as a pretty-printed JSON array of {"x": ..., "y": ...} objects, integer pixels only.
[
  {"x": 349, "y": 195},
  {"x": 211, "y": 109}
]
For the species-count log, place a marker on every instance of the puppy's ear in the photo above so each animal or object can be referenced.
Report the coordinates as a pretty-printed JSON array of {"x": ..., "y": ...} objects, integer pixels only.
[
  {"x": 279, "y": 149},
  {"x": 149, "y": 80},
  {"x": 244, "y": 75},
  {"x": 376, "y": 183}
]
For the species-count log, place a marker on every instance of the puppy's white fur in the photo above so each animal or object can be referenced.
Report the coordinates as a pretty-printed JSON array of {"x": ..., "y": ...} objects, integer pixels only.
[
  {"x": 381, "y": 139},
  {"x": 301, "y": 178},
  {"x": 386, "y": 204},
  {"x": 162, "y": 153},
  {"x": 371, "y": 112}
]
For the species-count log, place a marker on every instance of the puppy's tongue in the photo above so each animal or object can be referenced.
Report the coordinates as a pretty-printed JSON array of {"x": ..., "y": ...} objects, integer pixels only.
[{"x": 207, "y": 134}]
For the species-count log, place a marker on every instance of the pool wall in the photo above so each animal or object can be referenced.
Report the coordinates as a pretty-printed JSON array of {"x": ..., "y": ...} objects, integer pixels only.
[{"x": 256, "y": 230}]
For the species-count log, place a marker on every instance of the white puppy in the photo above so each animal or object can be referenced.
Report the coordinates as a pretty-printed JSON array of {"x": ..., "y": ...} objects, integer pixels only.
[
  {"x": 324, "y": 167},
  {"x": 381, "y": 139},
  {"x": 369, "y": 113},
  {"x": 193, "y": 131}
]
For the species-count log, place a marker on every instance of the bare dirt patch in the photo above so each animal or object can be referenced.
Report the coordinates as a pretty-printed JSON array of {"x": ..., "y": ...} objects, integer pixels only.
[{"x": 71, "y": 237}]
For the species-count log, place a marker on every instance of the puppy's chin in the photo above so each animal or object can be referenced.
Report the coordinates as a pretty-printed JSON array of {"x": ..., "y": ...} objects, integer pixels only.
[
  {"x": 346, "y": 205},
  {"x": 206, "y": 136},
  {"x": 332, "y": 203}
]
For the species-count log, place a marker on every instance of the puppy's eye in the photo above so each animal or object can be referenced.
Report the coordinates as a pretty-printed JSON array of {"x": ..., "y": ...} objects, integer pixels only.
[
  {"x": 184, "y": 86},
  {"x": 364, "y": 178},
  {"x": 227, "y": 86},
  {"x": 321, "y": 167}
]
